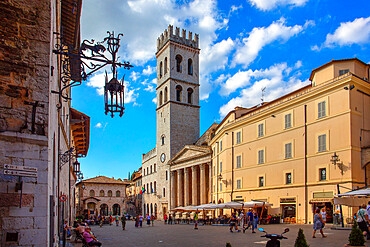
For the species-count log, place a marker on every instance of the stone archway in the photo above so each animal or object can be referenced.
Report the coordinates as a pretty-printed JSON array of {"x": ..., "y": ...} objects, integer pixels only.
[
  {"x": 104, "y": 210},
  {"x": 116, "y": 209}
]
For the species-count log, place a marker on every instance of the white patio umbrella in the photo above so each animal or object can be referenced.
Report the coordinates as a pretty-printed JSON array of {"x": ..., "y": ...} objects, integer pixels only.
[
  {"x": 353, "y": 198},
  {"x": 205, "y": 206},
  {"x": 228, "y": 205}
]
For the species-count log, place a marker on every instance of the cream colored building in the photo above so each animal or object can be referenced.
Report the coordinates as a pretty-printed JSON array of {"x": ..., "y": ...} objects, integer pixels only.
[
  {"x": 177, "y": 113},
  {"x": 100, "y": 196},
  {"x": 134, "y": 195},
  {"x": 281, "y": 151}
]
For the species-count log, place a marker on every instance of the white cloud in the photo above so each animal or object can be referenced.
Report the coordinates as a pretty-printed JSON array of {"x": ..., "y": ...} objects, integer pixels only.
[
  {"x": 274, "y": 79},
  {"x": 148, "y": 70},
  {"x": 98, "y": 81},
  {"x": 235, "y": 8},
  {"x": 134, "y": 75},
  {"x": 142, "y": 22},
  {"x": 98, "y": 125},
  {"x": 271, "y": 4},
  {"x": 154, "y": 100},
  {"x": 262, "y": 36},
  {"x": 348, "y": 33}
]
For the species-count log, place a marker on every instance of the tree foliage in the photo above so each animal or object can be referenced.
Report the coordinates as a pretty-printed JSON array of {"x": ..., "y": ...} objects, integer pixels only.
[
  {"x": 356, "y": 238},
  {"x": 301, "y": 239}
]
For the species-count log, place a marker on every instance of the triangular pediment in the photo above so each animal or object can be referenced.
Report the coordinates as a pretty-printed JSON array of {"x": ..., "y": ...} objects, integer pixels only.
[{"x": 190, "y": 152}]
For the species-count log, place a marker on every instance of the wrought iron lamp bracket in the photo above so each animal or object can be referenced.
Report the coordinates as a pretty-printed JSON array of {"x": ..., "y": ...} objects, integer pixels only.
[{"x": 78, "y": 64}]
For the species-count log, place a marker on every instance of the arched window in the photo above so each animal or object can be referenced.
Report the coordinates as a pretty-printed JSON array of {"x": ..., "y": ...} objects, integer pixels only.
[
  {"x": 160, "y": 98},
  {"x": 147, "y": 188},
  {"x": 151, "y": 169},
  {"x": 92, "y": 193},
  {"x": 155, "y": 167},
  {"x": 162, "y": 140},
  {"x": 165, "y": 65},
  {"x": 101, "y": 193},
  {"x": 178, "y": 92},
  {"x": 178, "y": 63},
  {"x": 155, "y": 187},
  {"x": 147, "y": 171},
  {"x": 164, "y": 192},
  {"x": 144, "y": 172},
  {"x": 190, "y": 95},
  {"x": 109, "y": 193},
  {"x": 118, "y": 193},
  {"x": 160, "y": 69},
  {"x": 190, "y": 66},
  {"x": 165, "y": 94},
  {"x": 151, "y": 187}
]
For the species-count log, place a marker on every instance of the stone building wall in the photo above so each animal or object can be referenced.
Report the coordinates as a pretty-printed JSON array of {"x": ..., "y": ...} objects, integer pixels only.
[{"x": 25, "y": 33}]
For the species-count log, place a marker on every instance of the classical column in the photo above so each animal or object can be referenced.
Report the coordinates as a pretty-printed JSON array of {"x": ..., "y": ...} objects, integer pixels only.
[
  {"x": 180, "y": 187},
  {"x": 186, "y": 186},
  {"x": 194, "y": 185},
  {"x": 173, "y": 190},
  {"x": 203, "y": 184},
  {"x": 210, "y": 183}
]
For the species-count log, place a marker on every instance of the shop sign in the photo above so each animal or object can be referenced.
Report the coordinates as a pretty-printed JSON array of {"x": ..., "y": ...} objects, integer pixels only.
[
  {"x": 287, "y": 200},
  {"x": 321, "y": 200},
  {"x": 328, "y": 194}
]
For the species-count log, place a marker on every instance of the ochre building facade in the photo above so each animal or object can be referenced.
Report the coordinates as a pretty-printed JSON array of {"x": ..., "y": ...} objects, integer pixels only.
[{"x": 282, "y": 151}]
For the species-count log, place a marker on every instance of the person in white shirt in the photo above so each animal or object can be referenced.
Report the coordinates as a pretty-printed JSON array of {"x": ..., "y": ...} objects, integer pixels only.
[
  {"x": 323, "y": 215},
  {"x": 368, "y": 208}
]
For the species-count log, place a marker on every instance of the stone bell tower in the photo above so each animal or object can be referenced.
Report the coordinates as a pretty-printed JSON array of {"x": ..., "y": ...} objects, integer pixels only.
[{"x": 177, "y": 92}]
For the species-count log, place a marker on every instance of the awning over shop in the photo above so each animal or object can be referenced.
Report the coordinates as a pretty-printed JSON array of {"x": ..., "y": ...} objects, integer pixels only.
[
  {"x": 353, "y": 198},
  {"x": 321, "y": 200},
  {"x": 228, "y": 205},
  {"x": 80, "y": 127}
]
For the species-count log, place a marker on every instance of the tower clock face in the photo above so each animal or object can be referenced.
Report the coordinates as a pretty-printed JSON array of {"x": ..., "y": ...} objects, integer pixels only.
[{"x": 163, "y": 157}]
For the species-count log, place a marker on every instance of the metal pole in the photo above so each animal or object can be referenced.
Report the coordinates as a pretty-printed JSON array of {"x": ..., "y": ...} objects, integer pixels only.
[
  {"x": 305, "y": 164},
  {"x": 340, "y": 207}
]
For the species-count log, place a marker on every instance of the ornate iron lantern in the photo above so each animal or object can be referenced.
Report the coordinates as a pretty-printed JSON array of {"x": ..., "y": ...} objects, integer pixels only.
[
  {"x": 76, "y": 167},
  {"x": 76, "y": 62}
]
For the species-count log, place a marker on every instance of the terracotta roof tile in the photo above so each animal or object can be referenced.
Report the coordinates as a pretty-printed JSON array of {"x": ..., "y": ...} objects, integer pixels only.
[{"x": 104, "y": 180}]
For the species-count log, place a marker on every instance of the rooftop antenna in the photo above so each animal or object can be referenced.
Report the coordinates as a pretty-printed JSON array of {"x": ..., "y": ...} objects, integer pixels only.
[{"x": 262, "y": 94}]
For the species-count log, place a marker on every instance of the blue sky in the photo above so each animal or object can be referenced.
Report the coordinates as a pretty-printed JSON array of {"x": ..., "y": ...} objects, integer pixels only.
[{"x": 245, "y": 46}]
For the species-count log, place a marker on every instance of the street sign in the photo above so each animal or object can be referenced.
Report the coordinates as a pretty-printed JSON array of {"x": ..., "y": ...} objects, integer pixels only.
[
  {"x": 22, "y": 171},
  {"x": 63, "y": 198}
]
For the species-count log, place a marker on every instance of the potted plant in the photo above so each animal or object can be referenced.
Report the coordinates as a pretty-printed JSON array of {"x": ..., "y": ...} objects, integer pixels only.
[
  {"x": 301, "y": 239},
  {"x": 356, "y": 237}
]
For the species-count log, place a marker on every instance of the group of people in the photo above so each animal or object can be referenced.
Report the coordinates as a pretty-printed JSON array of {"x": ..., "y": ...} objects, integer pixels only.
[
  {"x": 250, "y": 219},
  {"x": 140, "y": 218},
  {"x": 82, "y": 231},
  {"x": 363, "y": 220}
]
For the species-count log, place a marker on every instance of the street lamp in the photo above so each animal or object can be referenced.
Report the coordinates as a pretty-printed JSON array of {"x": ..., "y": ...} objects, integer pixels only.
[
  {"x": 336, "y": 162},
  {"x": 76, "y": 167}
]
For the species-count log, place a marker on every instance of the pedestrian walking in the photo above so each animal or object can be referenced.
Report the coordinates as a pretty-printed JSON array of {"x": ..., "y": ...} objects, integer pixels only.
[
  {"x": 250, "y": 221},
  {"x": 255, "y": 216},
  {"x": 242, "y": 216},
  {"x": 363, "y": 221},
  {"x": 110, "y": 220},
  {"x": 141, "y": 218},
  {"x": 232, "y": 223},
  {"x": 152, "y": 219},
  {"x": 318, "y": 223},
  {"x": 117, "y": 220},
  {"x": 123, "y": 221},
  {"x": 148, "y": 219},
  {"x": 196, "y": 215},
  {"x": 165, "y": 219},
  {"x": 169, "y": 219},
  {"x": 323, "y": 216}
]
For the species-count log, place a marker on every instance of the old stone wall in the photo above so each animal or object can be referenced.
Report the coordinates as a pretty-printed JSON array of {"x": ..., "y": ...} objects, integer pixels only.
[{"x": 25, "y": 32}]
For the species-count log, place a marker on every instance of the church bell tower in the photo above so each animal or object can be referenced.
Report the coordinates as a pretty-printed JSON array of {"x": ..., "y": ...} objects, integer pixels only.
[{"x": 177, "y": 91}]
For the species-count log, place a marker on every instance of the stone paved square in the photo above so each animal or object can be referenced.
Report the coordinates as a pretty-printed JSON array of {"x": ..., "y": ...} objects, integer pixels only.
[{"x": 185, "y": 235}]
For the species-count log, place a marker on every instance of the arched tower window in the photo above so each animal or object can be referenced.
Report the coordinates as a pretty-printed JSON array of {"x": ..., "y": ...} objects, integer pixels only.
[
  {"x": 190, "y": 66},
  {"x": 155, "y": 167},
  {"x": 178, "y": 63},
  {"x": 160, "y": 69},
  {"x": 162, "y": 139},
  {"x": 160, "y": 98},
  {"x": 92, "y": 193},
  {"x": 101, "y": 193},
  {"x": 118, "y": 193},
  {"x": 109, "y": 193},
  {"x": 165, "y": 94},
  {"x": 151, "y": 169},
  {"x": 155, "y": 186},
  {"x": 165, "y": 65},
  {"x": 178, "y": 92},
  {"x": 190, "y": 95}
]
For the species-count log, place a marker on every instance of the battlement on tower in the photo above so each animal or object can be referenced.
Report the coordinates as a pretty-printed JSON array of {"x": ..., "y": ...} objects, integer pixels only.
[{"x": 183, "y": 39}]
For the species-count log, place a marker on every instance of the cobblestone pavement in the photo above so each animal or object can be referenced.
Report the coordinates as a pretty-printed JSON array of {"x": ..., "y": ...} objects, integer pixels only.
[{"x": 185, "y": 235}]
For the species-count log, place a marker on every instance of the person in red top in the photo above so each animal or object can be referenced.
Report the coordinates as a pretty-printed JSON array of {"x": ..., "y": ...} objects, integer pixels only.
[
  {"x": 90, "y": 239},
  {"x": 165, "y": 218}
]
